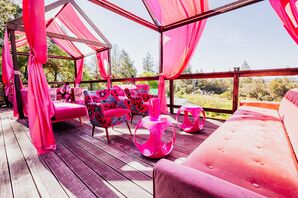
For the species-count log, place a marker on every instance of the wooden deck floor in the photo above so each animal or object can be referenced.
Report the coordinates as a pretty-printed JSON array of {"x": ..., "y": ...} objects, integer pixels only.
[{"x": 82, "y": 166}]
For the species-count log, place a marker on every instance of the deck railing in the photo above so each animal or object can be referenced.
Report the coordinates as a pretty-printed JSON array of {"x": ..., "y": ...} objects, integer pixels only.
[{"x": 236, "y": 75}]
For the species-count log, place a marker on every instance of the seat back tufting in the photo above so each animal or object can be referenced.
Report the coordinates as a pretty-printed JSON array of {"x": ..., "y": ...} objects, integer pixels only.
[{"x": 288, "y": 112}]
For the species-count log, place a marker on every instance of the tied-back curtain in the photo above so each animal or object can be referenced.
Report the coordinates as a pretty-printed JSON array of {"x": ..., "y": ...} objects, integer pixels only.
[
  {"x": 40, "y": 106},
  {"x": 79, "y": 66},
  {"x": 8, "y": 73},
  {"x": 180, "y": 43},
  {"x": 102, "y": 58},
  {"x": 7, "y": 66},
  {"x": 287, "y": 10}
]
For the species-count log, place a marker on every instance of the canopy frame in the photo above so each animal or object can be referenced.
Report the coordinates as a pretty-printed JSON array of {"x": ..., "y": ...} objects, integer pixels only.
[{"x": 17, "y": 24}]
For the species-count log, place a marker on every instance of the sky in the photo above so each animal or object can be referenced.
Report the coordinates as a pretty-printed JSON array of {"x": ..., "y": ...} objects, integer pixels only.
[{"x": 254, "y": 34}]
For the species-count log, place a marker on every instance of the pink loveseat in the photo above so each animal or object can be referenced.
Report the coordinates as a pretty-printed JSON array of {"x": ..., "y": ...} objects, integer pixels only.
[
  {"x": 63, "y": 110},
  {"x": 253, "y": 154}
]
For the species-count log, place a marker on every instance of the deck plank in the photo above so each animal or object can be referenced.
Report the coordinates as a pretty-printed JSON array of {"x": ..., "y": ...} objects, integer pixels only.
[
  {"x": 97, "y": 158},
  {"x": 71, "y": 183},
  {"x": 5, "y": 183},
  {"x": 95, "y": 183},
  {"x": 45, "y": 181},
  {"x": 22, "y": 181},
  {"x": 85, "y": 166},
  {"x": 104, "y": 168},
  {"x": 128, "y": 159}
]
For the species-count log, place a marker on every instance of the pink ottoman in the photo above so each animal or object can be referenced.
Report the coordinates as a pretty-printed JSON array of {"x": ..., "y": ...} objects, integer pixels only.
[
  {"x": 154, "y": 147},
  {"x": 197, "y": 124}
]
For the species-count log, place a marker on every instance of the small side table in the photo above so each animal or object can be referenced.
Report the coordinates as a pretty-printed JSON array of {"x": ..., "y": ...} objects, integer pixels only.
[
  {"x": 154, "y": 147},
  {"x": 197, "y": 124}
]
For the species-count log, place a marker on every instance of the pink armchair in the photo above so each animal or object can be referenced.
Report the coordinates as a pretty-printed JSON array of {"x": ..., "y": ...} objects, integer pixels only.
[
  {"x": 105, "y": 109},
  {"x": 139, "y": 98}
]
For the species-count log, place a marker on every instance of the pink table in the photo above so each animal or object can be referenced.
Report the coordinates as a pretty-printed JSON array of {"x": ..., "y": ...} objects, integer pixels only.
[
  {"x": 154, "y": 147},
  {"x": 197, "y": 124}
]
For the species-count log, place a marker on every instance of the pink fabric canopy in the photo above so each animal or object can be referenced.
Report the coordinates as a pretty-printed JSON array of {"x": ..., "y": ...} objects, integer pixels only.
[
  {"x": 40, "y": 106},
  {"x": 70, "y": 19},
  {"x": 178, "y": 44},
  {"x": 287, "y": 10},
  {"x": 103, "y": 57},
  {"x": 79, "y": 67},
  {"x": 66, "y": 45},
  {"x": 171, "y": 11}
]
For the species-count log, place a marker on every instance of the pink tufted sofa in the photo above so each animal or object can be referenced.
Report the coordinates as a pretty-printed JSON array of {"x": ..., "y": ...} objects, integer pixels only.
[
  {"x": 253, "y": 154},
  {"x": 63, "y": 110}
]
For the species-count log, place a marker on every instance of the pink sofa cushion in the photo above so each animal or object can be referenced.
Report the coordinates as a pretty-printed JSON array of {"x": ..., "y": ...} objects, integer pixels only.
[
  {"x": 243, "y": 151},
  {"x": 288, "y": 111},
  {"x": 64, "y": 110}
]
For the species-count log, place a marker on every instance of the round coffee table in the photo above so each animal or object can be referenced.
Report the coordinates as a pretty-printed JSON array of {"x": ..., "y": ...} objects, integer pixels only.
[
  {"x": 154, "y": 147},
  {"x": 191, "y": 126}
]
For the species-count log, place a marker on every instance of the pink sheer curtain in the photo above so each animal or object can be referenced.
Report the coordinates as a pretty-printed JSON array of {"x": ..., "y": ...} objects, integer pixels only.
[
  {"x": 103, "y": 57},
  {"x": 79, "y": 66},
  {"x": 178, "y": 44},
  {"x": 70, "y": 19},
  {"x": 40, "y": 106},
  {"x": 7, "y": 66},
  {"x": 287, "y": 10},
  {"x": 8, "y": 74},
  {"x": 170, "y": 11},
  {"x": 67, "y": 46}
]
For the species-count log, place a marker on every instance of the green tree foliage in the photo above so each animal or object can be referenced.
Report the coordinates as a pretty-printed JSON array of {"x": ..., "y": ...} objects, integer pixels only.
[
  {"x": 278, "y": 87},
  {"x": 58, "y": 69},
  {"x": 126, "y": 68},
  {"x": 115, "y": 60},
  {"x": 183, "y": 87},
  {"x": 148, "y": 63},
  {"x": 8, "y": 12},
  {"x": 152, "y": 83}
]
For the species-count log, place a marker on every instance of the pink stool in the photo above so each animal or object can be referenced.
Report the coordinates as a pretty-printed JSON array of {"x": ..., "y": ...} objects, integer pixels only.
[
  {"x": 154, "y": 147},
  {"x": 187, "y": 125}
]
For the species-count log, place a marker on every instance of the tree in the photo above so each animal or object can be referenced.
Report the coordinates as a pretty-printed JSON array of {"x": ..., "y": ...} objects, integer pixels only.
[
  {"x": 8, "y": 12},
  {"x": 58, "y": 69},
  {"x": 245, "y": 66},
  {"x": 115, "y": 60},
  {"x": 148, "y": 63},
  {"x": 279, "y": 86},
  {"x": 258, "y": 89},
  {"x": 126, "y": 67}
]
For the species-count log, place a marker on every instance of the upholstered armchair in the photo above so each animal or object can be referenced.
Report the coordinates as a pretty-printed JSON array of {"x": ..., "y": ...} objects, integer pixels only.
[
  {"x": 139, "y": 98},
  {"x": 106, "y": 110}
]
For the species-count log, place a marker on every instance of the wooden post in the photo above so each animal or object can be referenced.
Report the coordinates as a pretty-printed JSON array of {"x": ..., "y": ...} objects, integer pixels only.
[
  {"x": 236, "y": 88},
  {"x": 171, "y": 96},
  {"x": 161, "y": 53},
  {"x": 16, "y": 68},
  {"x": 110, "y": 67},
  {"x": 91, "y": 86},
  {"x": 75, "y": 73}
]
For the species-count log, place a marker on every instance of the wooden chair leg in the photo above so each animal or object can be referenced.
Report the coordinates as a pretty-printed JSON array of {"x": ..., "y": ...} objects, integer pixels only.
[
  {"x": 81, "y": 121},
  {"x": 93, "y": 130},
  {"x": 107, "y": 134},
  {"x": 131, "y": 118},
  {"x": 128, "y": 128}
]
